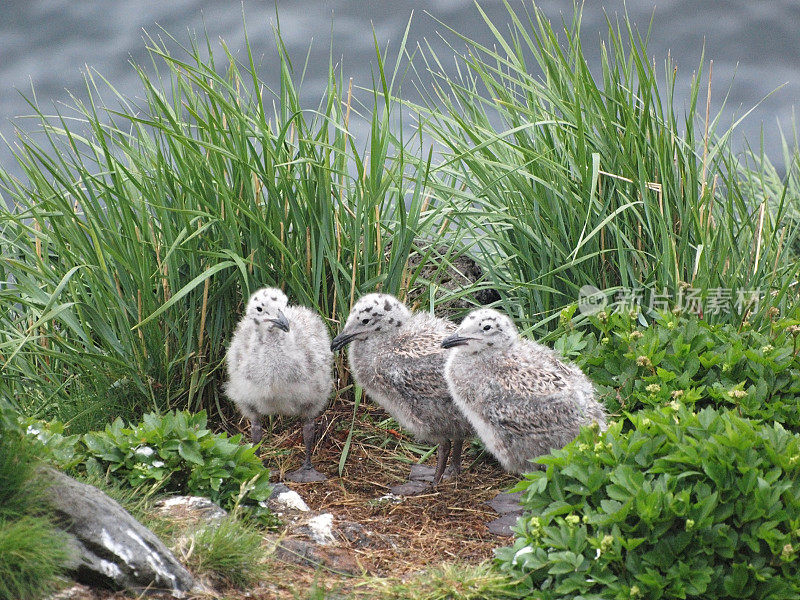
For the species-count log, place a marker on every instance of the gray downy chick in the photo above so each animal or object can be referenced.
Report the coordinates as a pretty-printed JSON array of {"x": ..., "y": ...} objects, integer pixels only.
[
  {"x": 279, "y": 362},
  {"x": 521, "y": 397},
  {"x": 397, "y": 358}
]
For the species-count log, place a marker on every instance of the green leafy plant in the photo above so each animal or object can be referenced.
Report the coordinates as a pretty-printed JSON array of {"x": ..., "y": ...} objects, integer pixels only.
[
  {"x": 686, "y": 359},
  {"x": 52, "y": 443},
  {"x": 683, "y": 505},
  {"x": 178, "y": 452}
]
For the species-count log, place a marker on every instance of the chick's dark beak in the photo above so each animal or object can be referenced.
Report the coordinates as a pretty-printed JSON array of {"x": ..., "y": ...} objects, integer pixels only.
[
  {"x": 455, "y": 340},
  {"x": 341, "y": 340},
  {"x": 281, "y": 322}
]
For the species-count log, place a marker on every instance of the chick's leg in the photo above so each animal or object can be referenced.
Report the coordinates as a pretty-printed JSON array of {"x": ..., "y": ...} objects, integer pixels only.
[
  {"x": 307, "y": 473},
  {"x": 454, "y": 468}
]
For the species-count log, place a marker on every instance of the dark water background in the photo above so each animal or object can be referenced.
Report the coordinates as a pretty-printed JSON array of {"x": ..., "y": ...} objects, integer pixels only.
[{"x": 47, "y": 44}]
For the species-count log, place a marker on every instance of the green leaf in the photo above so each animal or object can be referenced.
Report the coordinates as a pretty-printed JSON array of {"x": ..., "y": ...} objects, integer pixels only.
[
  {"x": 190, "y": 450},
  {"x": 736, "y": 583}
]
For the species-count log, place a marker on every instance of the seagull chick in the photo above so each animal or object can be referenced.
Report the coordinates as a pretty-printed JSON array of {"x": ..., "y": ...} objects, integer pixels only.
[
  {"x": 397, "y": 358},
  {"x": 280, "y": 362},
  {"x": 521, "y": 398}
]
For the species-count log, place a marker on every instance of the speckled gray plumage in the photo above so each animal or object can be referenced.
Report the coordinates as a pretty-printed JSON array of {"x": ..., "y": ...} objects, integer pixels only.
[
  {"x": 521, "y": 397},
  {"x": 271, "y": 371},
  {"x": 399, "y": 361}
]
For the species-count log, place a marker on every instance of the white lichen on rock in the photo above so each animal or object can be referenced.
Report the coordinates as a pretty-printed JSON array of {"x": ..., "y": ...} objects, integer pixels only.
[
  {"x": 321, "y": 529},
  {"x": 290, "y": 500}
]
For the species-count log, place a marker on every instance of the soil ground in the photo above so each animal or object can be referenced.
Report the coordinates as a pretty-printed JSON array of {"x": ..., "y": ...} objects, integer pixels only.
[{"x": 445, "y": 526}]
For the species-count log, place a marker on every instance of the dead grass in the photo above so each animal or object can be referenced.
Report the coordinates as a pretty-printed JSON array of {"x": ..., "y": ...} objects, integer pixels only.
[{"x": 447, "y": 526}]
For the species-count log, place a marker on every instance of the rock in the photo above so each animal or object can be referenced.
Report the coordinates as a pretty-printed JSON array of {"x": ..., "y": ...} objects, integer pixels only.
[
  {"x": 286, "y": 501},
  {"x": 190, "y": 510},
  {"x": 358, "y": 537},
  {"x": 307, "y": 553},
  {"x": 461, "y": 272},
  {"x": 319, "y": 529},
  {"x": 279, "y": 488},
  {"x": 111, "y": 548},
  {"x": 74, "y": 592},
  {"x": 317, "y": 539},
  {"x": 507, "y": 504},
  {"x": 502, "y": 525}
]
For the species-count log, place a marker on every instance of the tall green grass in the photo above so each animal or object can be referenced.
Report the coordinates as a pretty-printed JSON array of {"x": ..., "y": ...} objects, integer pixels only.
[
  {"x": 138, "y": 230},
  {"x": 572, "y": 175}
]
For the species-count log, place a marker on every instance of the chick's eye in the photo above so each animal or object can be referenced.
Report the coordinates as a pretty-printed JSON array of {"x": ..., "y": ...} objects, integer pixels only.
[
  {"x": 259, "y": 309},
  {"x": 487, "y": 327},
  {"x": 364, "y": 321}
]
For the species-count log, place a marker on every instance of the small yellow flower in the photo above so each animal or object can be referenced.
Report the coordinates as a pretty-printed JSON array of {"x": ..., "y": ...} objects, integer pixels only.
[
  {"x": 635, "y": 592},
  {"x": 773, "y": 312},
  {"x": 635, "y": 335},
  {"x": 598, "y": 446},
  {"x": 535, "y": 527},
  {"x": 602, "y": 316},
  {"x": 676, "y": 394},
  {"x": 583, "y": 447},
  {"x": 674, "y": 405},
  {"x": 572, "y": 520},
  {"x": 605, "y": 543},
  {"x": 767, "y": 349},
  {"x": 643, "y": 361},
  {"x": 689, "y": 524},
  {"x": 653, "y": 388},
  {"x": 646, "y": 422},
  {"x": 787, "y": 551},
  {"x": 605, "y": 340},
  {"x": 737, "y": 394}
]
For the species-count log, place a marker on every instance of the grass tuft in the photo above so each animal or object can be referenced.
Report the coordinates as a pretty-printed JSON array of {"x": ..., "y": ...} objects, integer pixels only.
[
  {"x": 32, "y": 551},
  {"x": 32, "y": 555},
  {"x": 449, "y": 581},
  {"x": 229, "y": 551}
]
